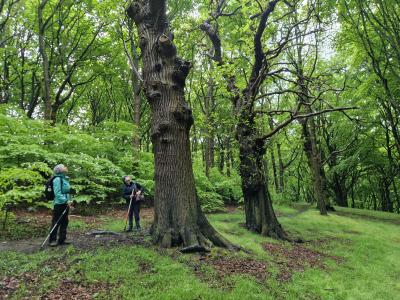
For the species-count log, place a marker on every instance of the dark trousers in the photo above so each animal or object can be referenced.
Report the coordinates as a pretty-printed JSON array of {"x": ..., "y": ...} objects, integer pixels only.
[
  {"x": 134, "y": 210},
  {"x": 62, "y": 224}
]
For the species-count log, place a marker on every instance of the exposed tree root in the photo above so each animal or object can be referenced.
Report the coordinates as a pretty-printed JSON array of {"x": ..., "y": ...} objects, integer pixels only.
[
  {"x": 195, "y": 248},
  {"x": 198, "y": 237}
]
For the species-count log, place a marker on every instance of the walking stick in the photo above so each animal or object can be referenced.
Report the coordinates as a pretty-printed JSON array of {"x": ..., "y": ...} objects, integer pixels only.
[
  {"x": 129, "y": 208},
  {"x": 54, "y": 227}
]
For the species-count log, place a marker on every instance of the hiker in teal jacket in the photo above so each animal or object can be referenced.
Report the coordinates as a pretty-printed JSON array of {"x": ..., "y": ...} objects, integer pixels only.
[{"x": 61, "y": 188}]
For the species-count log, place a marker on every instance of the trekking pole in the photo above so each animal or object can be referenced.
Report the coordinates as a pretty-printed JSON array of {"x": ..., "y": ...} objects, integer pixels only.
[
  {"x": 54, "y": 227},
  {"x": 127, "y": 213}
]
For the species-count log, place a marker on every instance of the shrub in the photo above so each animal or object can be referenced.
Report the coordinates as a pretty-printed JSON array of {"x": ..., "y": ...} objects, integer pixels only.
[
  {"x": 97, "y": 159},
  {"x": 18, "y": 186}
]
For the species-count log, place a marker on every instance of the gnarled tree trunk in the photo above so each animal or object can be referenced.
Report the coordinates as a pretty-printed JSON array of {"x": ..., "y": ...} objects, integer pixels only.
[
  {"x": 260, "y": 215},
  {"x": 178, "y": 219}
]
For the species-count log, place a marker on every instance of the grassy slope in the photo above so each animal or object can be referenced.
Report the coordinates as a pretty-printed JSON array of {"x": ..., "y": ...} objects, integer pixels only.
[{"x": 370, "y": 270}]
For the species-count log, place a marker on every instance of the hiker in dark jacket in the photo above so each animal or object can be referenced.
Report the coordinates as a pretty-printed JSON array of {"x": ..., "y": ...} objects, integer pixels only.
[
  {"x": 61, "y": 202},
  {"x": 133, "y": 190}
]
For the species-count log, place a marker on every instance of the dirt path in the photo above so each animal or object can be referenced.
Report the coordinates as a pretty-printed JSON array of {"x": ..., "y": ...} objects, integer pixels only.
[
  {"x": 79, "y": 238},
  {"x": 81, "y": 241}
]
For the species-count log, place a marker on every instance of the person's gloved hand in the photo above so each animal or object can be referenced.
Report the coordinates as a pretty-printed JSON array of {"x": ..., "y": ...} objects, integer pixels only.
[{"x": 71, "y": 205}]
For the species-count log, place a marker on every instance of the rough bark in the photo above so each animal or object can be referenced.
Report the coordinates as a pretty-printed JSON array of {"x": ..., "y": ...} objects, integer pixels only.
[
  {"x": 260, "y": 215},
  {"x": 178, "y": 219}
]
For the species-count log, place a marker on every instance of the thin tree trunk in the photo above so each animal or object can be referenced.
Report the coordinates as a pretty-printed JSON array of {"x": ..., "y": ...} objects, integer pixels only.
[
  {"x": 194, "y": 139},
  {"x": 221, "y": 160},
  {"x": 136, "y": 89},
  {"x": 229, "y": 157},
  {"x": 54, "y": 111},
  {"x": 137, "y": 116},
  {"x": 45, "y": 63},
  {"x": 209, "y": 139},
  {"x": 22, "y": 80},
  {"x": 273, "y": 162},
  {"x": 35, "y": 92},
  {"x": 5, "y": 93},
  {"x": 386, "y": 202},
  {"x": 314, "y": 162},
  {"x": 136, "y": 86},
  {"x": 178, "y": 219},
  {"x": 396, "y": 194},
  {"x": 281, "y": 169},
  {"x": 353, "y": 183},
  {"x": 391, "y": 175},
  {"x": 389, "y": 115},
  {"x": 274, "y": 169},
  {"x": 339, "y": 189}
]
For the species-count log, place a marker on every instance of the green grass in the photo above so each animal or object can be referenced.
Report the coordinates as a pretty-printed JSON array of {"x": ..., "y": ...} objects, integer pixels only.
[
  {"x": 370, "y": 268},
  {"x": 372, "y": 214},
  {"x": 371, "y": 251}
]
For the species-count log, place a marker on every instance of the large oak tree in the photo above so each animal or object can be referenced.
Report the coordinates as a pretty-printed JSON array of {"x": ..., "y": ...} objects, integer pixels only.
[{"x": 178, "y": 219}]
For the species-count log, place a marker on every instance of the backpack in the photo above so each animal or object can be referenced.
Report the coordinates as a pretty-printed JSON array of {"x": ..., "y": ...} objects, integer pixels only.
[{"x": 48, "y": 188}]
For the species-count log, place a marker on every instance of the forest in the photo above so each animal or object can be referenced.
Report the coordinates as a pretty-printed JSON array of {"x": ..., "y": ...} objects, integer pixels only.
[{"x": 265, "y": 135}]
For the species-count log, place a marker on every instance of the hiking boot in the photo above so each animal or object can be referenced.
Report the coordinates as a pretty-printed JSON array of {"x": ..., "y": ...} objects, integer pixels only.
[
  {"x": 129, "y": 229},
  {"x": 64, "y": 243},
  {"x": 53, "y": 244}
]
